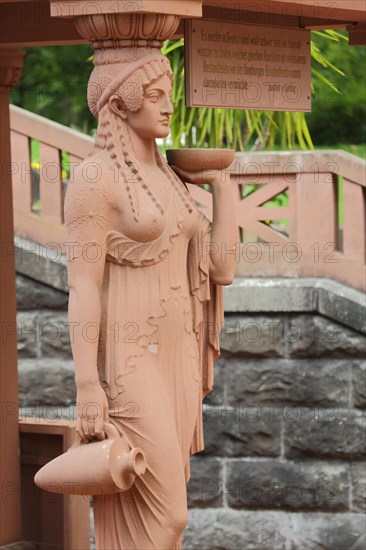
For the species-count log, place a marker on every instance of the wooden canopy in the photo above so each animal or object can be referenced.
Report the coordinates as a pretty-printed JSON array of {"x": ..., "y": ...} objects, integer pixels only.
[{"x": 44, "y": 22}]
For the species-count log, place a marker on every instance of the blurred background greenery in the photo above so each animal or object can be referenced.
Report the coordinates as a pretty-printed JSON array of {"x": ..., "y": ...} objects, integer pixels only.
[
  {"x": 340, "y": 118},
  {"x": 54, "y": 84}
]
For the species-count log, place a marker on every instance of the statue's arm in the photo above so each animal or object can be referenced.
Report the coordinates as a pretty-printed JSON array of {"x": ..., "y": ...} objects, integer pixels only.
[
  {"x": 224, "y": 234},
  {"x": 88, "y": 216},
  {"x": 224, "y": 230}
]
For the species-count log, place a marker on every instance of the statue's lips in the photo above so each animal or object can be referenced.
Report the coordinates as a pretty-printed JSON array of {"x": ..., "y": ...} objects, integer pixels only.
[{"x": 165, "y": 121}]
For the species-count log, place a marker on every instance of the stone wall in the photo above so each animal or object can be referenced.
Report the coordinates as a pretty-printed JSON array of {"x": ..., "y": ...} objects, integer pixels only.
[
  {"x": 283, "y": 466},
  {"x": 45, "y": 367}
]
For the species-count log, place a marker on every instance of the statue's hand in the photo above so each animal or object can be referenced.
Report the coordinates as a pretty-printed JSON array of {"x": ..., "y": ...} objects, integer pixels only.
[
  {"x": 212, "y": 177},
  {"x": 92, "y": 411}
]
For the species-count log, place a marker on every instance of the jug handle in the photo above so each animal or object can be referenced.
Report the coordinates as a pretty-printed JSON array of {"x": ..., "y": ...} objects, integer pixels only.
[{"x": 109, "y": 429}]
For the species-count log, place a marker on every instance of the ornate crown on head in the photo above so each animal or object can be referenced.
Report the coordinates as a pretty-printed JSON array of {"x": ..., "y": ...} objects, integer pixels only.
[{"x": 124, "y": 71}]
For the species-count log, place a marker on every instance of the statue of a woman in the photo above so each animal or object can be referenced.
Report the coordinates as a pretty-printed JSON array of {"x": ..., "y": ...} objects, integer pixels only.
[{"x": 145, "y": 295}]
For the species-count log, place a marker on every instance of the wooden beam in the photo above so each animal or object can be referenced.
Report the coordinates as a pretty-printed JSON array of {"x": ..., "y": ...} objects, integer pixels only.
[
  {"x": 357, "y": 35},
  {"x": 348, "y": 10},
  {"x": 30, "y": 24},
  {"x": 230, "y": 14},
  {"x": 269, "y": 19},
  {"x": 70, "y": 8}
]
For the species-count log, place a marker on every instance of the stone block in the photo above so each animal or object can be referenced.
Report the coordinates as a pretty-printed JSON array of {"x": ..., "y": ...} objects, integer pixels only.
[
  {"x": 253, "y": 336},
  {"x": 46, "y": 382},
  {"x": 265, "y": 294},
  {"x": 288, "y": 381},
  {"x": 344, "y": 304},
  {"x": 331, "y": 433},
  {"x": 272, "y": 484},
  {"x": 54, "y": 334},
  {"x": 41, "y": 263},
  {"x": 43, "y": 334},
  {"x": 317, "y": 336},
  {"x": 27, "y": 334},
  {"x": 216, "y": 396},
  {"x": 227, "y": 529},
  {"x": 359, "y": 384},
  {"x": 237, "y": 432},
  {"x": 32, "y": 294},
  {"x": 204, "y": 488},
  {"x": 358, "y": 476}
]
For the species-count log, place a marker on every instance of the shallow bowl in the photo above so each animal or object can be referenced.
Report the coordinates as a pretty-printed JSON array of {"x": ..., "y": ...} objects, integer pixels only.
[{"x": 200, "y": 159}]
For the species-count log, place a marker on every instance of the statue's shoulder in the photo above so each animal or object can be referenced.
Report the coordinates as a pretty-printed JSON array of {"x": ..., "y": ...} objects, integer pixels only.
[{"x": 94, "y": 180}]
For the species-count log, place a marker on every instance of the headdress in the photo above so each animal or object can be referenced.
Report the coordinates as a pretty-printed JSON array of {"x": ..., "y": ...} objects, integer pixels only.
[{"x": 125, "y": 71}]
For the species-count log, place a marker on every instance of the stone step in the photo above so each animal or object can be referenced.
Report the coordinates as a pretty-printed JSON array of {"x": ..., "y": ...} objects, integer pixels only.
[{"x": 221, "y": 528}]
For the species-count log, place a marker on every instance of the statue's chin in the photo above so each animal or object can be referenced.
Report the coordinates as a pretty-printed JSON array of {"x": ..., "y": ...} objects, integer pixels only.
[
  {"x": 165, "y": 133},
  {"x": 162, "y": 133}
]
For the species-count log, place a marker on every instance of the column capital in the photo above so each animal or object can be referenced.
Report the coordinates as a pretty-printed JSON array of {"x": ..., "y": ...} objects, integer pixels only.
[
  {"x": 11, "y": 65},
  {"x": 127, "y": 30}
]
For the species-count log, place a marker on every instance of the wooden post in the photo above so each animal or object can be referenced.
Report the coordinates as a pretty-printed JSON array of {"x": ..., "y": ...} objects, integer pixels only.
[{"x": 11, "y": 62}]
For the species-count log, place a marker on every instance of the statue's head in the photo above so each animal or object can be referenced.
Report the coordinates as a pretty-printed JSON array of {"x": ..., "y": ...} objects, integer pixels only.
[
  {"x": 121, "y": 78},
  {"x": 151, "y": 119},
  {"x": 121, "y": 95}
]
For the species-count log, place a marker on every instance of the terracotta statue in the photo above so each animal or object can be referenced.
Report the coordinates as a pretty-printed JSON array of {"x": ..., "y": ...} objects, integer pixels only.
[{"x": 145, "y": 295}]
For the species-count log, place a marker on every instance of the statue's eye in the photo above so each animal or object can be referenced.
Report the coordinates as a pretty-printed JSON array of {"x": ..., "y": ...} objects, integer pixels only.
[{"x": 154, "y": 97}]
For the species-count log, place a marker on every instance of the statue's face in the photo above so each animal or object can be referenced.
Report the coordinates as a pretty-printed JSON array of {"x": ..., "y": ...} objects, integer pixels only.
[{"x": 152, "y": 119}]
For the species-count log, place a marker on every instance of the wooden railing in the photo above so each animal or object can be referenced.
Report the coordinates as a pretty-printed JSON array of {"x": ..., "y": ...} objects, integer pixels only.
[
  {"x": 300, "y": 214},
  {"x": 39, "y": 185}
]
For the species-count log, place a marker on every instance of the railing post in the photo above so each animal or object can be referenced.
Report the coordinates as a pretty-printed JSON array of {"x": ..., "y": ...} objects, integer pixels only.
[
  {"x": 11, "y": 63},
  {"x": 51, "y": 184},
  {"x": 21, "y": 173},
  {"x": 316, "y": 221},
  {"x": 354, "y": 221}
]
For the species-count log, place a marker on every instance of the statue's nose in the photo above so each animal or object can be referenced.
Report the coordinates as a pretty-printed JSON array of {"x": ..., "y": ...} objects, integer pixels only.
[{"x": 167, "y": 106}]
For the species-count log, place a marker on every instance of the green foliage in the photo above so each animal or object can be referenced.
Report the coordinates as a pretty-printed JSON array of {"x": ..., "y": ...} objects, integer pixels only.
[
  {"x": 242, "y": 129},
  {"x": 339, "y": 103},
  {"x": 54, "y": 83}
]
